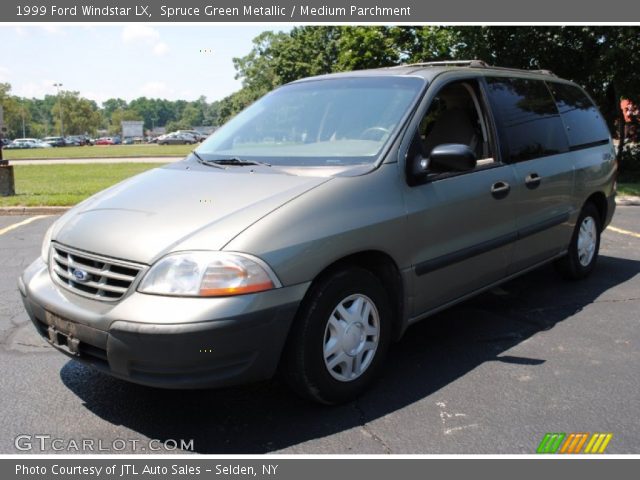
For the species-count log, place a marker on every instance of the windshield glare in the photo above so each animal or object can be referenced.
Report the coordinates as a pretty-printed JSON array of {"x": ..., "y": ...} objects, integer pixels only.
[{"x": 344, "y": 121}]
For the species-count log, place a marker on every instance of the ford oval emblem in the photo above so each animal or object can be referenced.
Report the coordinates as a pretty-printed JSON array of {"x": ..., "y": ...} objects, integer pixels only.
[{"x": 80, "y": 275}]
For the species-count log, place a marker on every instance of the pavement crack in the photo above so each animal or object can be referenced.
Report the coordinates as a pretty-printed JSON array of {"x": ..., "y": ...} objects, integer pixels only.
[
  {"x": 364, "y": 425},
  {"x": 25, "y": 344}
]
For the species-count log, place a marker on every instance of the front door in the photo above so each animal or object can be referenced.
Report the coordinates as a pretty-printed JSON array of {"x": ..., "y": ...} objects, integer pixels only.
[{"x": 462, "y": 225}]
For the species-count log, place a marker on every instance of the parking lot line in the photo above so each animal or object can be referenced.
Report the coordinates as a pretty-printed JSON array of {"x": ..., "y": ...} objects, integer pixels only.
[
  {"x": 624, "y": 232},
  {"x": 13, "y": 226}
]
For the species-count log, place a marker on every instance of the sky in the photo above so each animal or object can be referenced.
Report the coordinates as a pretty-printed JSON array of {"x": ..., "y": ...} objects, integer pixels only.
[{"x": 128, "y": 61}]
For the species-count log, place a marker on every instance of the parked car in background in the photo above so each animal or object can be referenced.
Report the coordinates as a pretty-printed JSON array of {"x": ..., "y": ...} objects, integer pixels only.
[
  {"x": 73, "y": 141},
  {"x": 104, "y": 141},
  {"x": 127, "y": 141},
  {"x": 77, "y": 140},
  {"x": 117, "y": 140},
  {"x": 17, "y": 145},
  {"x": 199, "y": 137},
  {"x": 21, "y": 143},
  {"x": 176, "y": 138},
  {"x": 55, "y": 141}
]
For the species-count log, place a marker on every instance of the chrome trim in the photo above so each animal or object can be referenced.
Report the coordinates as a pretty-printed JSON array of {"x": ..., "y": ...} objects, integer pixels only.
[{"x": 103, "y": 284}]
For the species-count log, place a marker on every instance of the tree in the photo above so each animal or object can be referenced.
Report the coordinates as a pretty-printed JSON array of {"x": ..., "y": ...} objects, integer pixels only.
[
  {"x": 11, "y": 111},
  {"x": 111, "y": 105},
  {"x": 368, "y": 47},
  {"x": 79, "y": 115}
]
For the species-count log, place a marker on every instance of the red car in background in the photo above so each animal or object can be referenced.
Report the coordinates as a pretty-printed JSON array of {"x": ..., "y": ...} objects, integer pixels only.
[{"x": 105, "y": 141}]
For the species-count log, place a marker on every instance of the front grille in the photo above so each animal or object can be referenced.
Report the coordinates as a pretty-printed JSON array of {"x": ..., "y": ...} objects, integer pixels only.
[{"x": 91, "y": 275}]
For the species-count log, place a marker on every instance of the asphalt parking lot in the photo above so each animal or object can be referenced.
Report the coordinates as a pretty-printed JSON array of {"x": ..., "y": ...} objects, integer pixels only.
[{"x": 492, "y": 375}]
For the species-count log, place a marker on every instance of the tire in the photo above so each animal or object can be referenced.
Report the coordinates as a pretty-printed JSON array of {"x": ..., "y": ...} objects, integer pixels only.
[
  {"x": 584, "y": 247},
  {"x": 324, "y": 347}
]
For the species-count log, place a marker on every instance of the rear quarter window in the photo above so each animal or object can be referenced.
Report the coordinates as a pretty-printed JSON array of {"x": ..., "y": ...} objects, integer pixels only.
[
  {"x": 528, "y": 121},
  {"x": 584, "y": 123}
]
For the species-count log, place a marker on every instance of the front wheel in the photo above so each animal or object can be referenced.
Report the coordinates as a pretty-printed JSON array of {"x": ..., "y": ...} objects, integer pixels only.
[
  {"x": 340, "y": 337},
  {"x": 585, "y": 244}
]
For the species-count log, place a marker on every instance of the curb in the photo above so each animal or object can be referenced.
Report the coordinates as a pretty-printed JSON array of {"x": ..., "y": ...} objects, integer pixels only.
[
  {"x": 33, "y": 210},
  {"x": 628, "y": 200}
]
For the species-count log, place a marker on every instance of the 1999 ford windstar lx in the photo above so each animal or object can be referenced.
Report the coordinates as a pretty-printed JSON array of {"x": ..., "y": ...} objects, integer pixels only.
[{"x": 308, "y": 232}]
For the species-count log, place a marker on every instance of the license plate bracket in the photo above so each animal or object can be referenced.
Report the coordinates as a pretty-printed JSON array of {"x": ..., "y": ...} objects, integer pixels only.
[{"x": 61, "y": 334}]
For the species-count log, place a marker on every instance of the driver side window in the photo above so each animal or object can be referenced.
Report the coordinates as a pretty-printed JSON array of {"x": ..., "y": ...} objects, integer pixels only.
[{"x": 456, "y": 116}]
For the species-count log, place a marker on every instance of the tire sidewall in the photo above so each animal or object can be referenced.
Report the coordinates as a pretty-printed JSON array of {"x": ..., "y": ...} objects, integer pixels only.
[
  {"x": 580, "y": 270},
  {"x": 316, "y": 316}
]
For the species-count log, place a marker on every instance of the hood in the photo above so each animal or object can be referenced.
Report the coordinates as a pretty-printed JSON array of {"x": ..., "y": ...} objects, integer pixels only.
[{"x": 164, "y": 209}]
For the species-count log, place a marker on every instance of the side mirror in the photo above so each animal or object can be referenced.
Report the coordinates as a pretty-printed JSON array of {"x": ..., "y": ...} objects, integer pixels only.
[{"x": 452, "y": 157}]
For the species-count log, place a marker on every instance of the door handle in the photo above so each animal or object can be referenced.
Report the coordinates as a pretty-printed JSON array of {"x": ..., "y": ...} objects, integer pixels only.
[
  {"x": 500, "y": 189},
  {"x": 532, "y": 180}
]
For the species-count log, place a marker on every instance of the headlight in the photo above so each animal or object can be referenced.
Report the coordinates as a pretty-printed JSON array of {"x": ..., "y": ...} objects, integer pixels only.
[
  {"x": 208, "y": 274},
  {"x": 46, "y": 245}
]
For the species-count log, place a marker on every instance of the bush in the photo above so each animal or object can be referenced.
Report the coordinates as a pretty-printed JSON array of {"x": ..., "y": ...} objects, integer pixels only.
[{"x": 630, "y": 163}]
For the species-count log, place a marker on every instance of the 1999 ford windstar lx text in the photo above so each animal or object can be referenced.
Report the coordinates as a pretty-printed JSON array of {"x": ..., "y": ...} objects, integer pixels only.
[{"x": 307, "y": 233}]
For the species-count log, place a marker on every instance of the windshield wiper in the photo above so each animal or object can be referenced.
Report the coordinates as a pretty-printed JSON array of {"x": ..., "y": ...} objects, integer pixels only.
[
  {"x": 205, "y": 162},
  {"x": 238, "y": 162}
]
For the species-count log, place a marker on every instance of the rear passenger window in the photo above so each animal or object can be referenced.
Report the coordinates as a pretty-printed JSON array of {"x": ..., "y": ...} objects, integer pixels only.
[
  {"x": 528, "y": 121},
  {"x": 584, "y": 124}
]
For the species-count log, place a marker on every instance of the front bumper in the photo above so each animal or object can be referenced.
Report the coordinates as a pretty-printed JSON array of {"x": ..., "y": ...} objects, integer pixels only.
[{"x": 169, "y": 342}]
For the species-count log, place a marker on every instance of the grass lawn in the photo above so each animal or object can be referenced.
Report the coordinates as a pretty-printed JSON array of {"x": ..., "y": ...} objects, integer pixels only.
[
  {"x": 629, "y": 188},
  {"x": 68, "y": 184},
  {"x": 104, "y": 151}
]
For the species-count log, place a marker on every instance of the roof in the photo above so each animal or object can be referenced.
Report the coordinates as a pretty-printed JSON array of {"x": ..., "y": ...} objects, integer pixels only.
[{"x": 429, "y": 70}]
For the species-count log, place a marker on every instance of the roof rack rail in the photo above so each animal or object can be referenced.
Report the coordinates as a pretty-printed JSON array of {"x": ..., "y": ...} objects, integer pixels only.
[
  {"x": 472, "y": 64},
  {"x": 508, "y": 69},
  {"x": 446, "y": 63}
]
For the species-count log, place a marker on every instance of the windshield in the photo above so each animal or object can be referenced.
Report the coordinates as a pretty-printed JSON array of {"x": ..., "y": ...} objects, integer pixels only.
[{"x": 343, "y": 121}]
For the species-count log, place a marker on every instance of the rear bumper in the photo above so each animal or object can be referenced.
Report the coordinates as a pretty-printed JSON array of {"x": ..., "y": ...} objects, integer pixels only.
[{"x": 189, "y": 343}]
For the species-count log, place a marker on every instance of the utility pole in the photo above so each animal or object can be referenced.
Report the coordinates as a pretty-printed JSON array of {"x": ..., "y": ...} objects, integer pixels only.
[
  {"x": 23, "y": 129},
  {"x": 58, "y": 85}
]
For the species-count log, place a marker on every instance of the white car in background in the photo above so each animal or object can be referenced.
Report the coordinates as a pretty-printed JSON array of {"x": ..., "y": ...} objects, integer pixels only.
[{"x": 28, "y": 143}]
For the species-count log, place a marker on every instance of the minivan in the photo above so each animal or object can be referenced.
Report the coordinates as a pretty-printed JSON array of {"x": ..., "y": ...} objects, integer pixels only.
[{"x": 310, "y": 231}]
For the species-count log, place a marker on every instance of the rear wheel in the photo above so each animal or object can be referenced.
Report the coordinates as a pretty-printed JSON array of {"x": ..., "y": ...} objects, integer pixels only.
[
  {"x": 585, "y": 244},
  {"x": 340, "y": 337}
]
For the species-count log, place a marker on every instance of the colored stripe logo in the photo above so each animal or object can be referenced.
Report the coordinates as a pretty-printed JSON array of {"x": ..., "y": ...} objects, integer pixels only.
[{"x": 574, "y": 443}]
